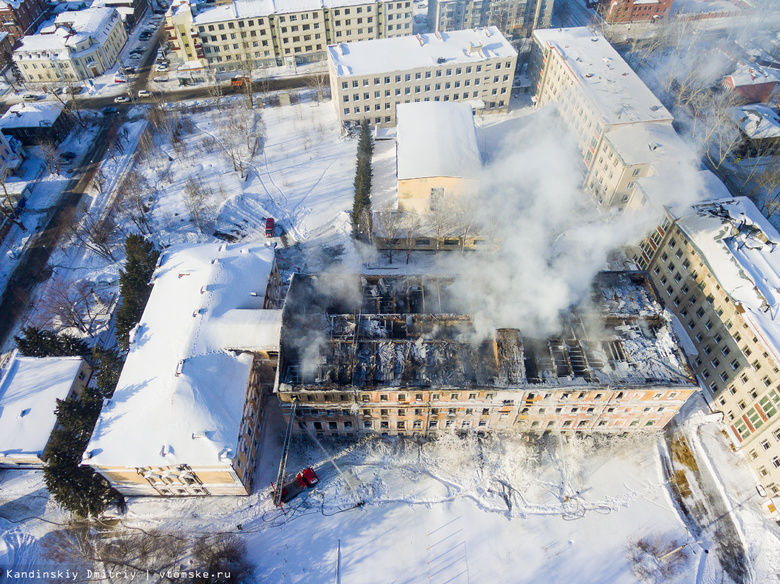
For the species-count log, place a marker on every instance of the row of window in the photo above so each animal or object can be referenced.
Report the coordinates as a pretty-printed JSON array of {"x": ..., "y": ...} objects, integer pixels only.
[
  {"x": 231, "y": 25},
  {"x": 530, "y": 398},
  {"x": 408, "y": 77},
  {"x": 356, "y": 111},
  {"x": 402, "y": 425}
]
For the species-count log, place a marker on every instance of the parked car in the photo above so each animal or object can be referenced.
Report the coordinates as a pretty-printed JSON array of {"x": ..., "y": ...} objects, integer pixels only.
[
  {"x": 107, "y": 111},
  {"x": 119, "y": 78},
  {"x": 269, "y": 227},
  {"x": 67, "y": 156},
  {"x": 161, "y": 67},
  {"x": 145, "y": 93},
  {"x": 144, "y": 36},
  {"x": 134, "y": 56},
  {"x": 160, "y": 79},
  {"x": 122, "y": 99},
  {"x": 31, "y": 97},
  {"x": 129, "y": 69}
]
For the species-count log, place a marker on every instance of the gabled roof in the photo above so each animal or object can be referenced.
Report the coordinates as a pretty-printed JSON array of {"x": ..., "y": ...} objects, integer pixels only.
[{"x": 181, "y": 394}]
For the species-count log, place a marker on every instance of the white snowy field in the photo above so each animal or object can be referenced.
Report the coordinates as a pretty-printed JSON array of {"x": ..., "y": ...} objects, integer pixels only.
[{"x": 458, "y": 510}]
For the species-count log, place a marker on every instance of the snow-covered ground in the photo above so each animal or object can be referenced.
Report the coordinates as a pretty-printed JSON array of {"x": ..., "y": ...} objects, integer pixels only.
[{"x": 498, "y": 509}]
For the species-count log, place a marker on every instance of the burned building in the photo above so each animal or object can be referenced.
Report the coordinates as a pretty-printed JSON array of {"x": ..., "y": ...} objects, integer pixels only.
[{"x": 393, "y": 355}]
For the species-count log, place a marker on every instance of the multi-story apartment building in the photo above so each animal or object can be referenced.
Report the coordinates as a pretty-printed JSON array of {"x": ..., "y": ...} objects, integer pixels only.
[
  {"x": 594, "y": 88},
  {"x": 393, "y": 355},
  {"x": 185, "y": 417},
  {"x": 627, "y": 11},
  {"x": 621, "y": 128},
  {"x": 21, "y": 17},
  {"x": 259, "y": 33},
  {"x": 715, "y": 268},
  {"x": 514, "y": 18},
  {"x": 369, "y": 79},
  {"x": 631, "y": 152},
  {"x": 83, "y": 45}
]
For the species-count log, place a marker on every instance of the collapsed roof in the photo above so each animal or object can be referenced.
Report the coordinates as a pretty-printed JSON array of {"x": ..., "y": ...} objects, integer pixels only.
[{"x": 404, "y": 331}]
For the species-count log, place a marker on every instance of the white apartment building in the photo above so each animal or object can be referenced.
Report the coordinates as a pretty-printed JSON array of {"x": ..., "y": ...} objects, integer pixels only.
[
  {"x": 631, "y": 152},
  {"x": 595, "y": 90},
  {"x": 369, "y": 79},
  {"x": 83, "y": 44},
  {"x": 514, "y": 18},
  {"x": 716, "y": 268},
  {"x": 261, "y": 33}
]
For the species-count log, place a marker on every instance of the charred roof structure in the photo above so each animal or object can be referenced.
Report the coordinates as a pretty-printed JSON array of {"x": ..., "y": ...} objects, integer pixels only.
[{"x": 404, "y": 332}]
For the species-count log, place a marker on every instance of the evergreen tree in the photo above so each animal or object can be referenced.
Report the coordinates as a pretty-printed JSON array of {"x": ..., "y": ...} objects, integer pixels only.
[
  {"x": 37, "y": 342},
  {"x": 140, "y": 261},
  {"x": 79, "y": 415},
  {"x": 77, "y": 488},
  {"x": 109, "y": 362},
  {"x": 361, "y": 206}
]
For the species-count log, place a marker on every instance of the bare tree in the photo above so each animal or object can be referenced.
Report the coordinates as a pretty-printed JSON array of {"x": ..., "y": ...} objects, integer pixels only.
[
  {"x": 122, "y": 553},
  {"x": 93, "y": 233},
  {"x": 410, "y": 232},
  {"x": 388, "y": 229},
  {"x": 132, "y": 194},
  {"x": 237, "y": 136},
  {"x": 712, "y": 126},
  {"x": 197, "y": 195},
  {"x": 319, "y": 81},
  {"x": 49, "y": 152},
  {"x": 765, "y": 191},
  {"x": 70, "y": 304}
]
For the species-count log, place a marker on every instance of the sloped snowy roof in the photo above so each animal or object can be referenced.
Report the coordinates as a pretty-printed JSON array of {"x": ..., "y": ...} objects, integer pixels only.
[
  {"x": 648, "y": 143},
  {"x": 74, "y": 27},
  {"x": 757, "y": 122},
  {"x": 255, "y": 8},
  {"x": 739, "y": 246},
  {"x": 752, "y": 74},
  {"x": 28, "y": 395},
  {"x": 31, "y": 114},
  {"x": 181, "y": 379},
  {"x": 436, "y": 139},
  {"x": 612, "y": 86},
  {"x": 232, "y": 11},
  {"x": 465, "y": 47}
]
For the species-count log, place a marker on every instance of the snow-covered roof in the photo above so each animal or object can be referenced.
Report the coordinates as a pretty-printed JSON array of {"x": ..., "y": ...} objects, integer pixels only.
[
  {"x": 648, "y": 143},
  {"x": 232, "y": 11},
  {"x": 31, "y": 114},
  {"x": 73, "y": 28},
  {"x": 258, "y": 8},
  {"x": 443, "y": 49},
  {"x": 738, "y": 245},
  {"x": 757, "y": 122},
  {"x": 186, "y": 374},
  {"x": 436, "y": 139},
  {"x": 28, "y": 395},
  {"x": 613, "y": 87},
  {"x": 752, "y": 74}
]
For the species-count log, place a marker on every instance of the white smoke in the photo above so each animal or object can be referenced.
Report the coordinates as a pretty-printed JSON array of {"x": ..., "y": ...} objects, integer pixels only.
[{"x": 553, "y": 239}]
